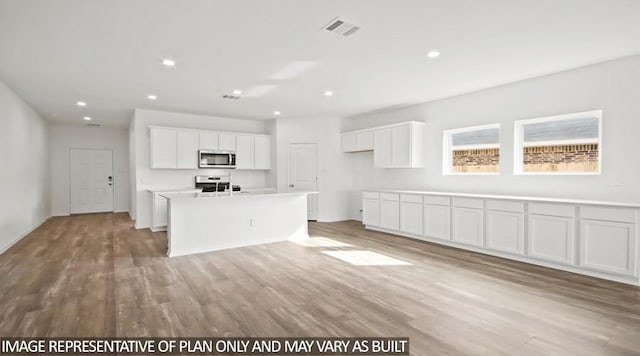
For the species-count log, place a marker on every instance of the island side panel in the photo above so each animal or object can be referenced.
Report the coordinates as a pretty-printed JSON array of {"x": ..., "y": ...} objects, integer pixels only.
[{"x": 208, "y": 224}]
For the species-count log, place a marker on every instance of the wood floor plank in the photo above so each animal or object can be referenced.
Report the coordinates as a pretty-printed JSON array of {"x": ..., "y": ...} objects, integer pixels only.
[{"x": 95, "y": 275}]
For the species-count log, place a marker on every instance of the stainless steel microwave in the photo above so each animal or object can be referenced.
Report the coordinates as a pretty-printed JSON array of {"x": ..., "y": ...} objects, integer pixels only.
[{"x": 216, "y": 159}]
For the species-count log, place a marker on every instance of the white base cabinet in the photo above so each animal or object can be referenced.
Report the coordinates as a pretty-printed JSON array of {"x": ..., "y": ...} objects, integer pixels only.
[{"x": 597, "y": 240}]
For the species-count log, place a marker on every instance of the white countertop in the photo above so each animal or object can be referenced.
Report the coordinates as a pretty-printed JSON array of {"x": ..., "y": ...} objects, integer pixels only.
[
  {"x": 174, "y": 190},
  {"x": 510, "y": 197},
  {"x": 200, "y": 195}
]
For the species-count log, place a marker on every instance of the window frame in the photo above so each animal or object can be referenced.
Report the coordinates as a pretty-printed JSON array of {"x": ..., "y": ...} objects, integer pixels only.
[
  {"x": 447, "y": 149},
  {"x": 518, "y": 143}
]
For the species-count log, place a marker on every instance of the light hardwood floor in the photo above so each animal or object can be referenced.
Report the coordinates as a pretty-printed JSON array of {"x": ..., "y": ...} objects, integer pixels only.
[{"x": 94, "y": 275}]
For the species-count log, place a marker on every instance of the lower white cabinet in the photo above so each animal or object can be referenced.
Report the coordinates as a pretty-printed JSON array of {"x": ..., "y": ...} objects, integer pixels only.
[
  {"x": 371, "y": 209},
  {"x": 389, "y": 211},
  {"x": 468, "y": 221},
  {"x": 411, "y": 214},
  {"x": 551, "y": 238},
  {"x": 159, "y": 220},
  {"x": 608, "y": 246},
  {"x": 505, "y": 226}
]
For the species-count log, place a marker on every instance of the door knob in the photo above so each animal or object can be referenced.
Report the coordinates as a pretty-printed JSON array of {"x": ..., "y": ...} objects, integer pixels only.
[{"x": 291, "y": 185}]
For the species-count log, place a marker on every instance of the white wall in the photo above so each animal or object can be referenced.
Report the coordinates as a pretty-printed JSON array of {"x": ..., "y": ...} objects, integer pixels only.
[
  {"x": 612, "y": 86},
  {"x": 65, "y": 137},
  {"x": 147, "y": 178},
  {"x": 334, "y": 173},
  {"x": 24, "y": 181}
]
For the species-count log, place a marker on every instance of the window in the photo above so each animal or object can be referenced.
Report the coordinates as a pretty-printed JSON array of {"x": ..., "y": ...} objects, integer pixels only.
[
  {"x": 564, "y": 144},
  {"x": 472, "y": 150}
]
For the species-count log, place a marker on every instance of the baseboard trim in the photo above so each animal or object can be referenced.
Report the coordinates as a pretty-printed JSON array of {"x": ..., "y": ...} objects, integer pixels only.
[{"x": 6, "y": 247}]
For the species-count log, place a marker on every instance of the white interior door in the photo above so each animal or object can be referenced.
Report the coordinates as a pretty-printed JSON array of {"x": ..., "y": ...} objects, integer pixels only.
[
  {"x": 91, "y": 181},
  {"x": 303, "y": 173}
]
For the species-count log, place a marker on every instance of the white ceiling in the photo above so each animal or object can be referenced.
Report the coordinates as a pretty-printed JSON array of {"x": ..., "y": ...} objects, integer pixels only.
[{"x": 108, "y": 53}]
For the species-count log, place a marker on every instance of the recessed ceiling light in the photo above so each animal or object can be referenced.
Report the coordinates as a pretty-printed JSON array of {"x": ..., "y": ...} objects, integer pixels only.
[
  {"x": 433, "y": 54},
  {"x": 152, "y": 97},
  {"x": 237, "y": 92},
  {"x": 81, "y": 103},
  {"x": 328, "y": 93},
  {"x": 168, "y": 62},
  {"x": 276, "y": 113},
  {"x": 86, "y": 118}
]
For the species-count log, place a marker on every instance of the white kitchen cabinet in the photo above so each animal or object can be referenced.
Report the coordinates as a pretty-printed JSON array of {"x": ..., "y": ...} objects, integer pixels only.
[
  {"x": 390, "y": 211},
  {"x": 437, "y": 217},
  {"x": 608, "y": 240},
  {"x": 551, "y": 238},
  {"x": 411, "y": 214},
  {"x": 349, "y": 142},
  {"x": 371, "y": 209},
  {"x": 505, "y": 226},
  {"x": 262, "y": 152},
  {"x": 226, "y": 142},
  {"x": 245, "y": 152},
  {"x": 159, "y": 221},
  {"x": 163, "y": 149},
  {"x": 208, "y": 140},
  {"x": 382, "y": 148},
  {"x": 401, "y": 146},
  {"x": 187, "y": 149},
  {"x": 468, "y": 221},
  {"x": 364, "y": 141}
]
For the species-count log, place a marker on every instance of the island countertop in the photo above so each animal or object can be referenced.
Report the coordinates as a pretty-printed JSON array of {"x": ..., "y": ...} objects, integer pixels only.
[{"x": 241, "y": 194}]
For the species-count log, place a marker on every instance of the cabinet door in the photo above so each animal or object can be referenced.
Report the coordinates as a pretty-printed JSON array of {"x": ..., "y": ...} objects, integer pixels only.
[
  {"x": 371, "y": 212},
  {"x": 608, "y": 246},
  {"x": 505, "y": 231},
  {"x": 159, "y": 212},
  {"x": 411, "y": 218},
  {"x": 208, "y": 140},
  {"x": 226, "y": 142},
  {"x": 188, "y": 149},
  {"x": 164, "y": 148},
  {"x": 364, "y": 141},
  {"x": 245, "y": 151},
  {"x": 382, "y": 148},
  {"x": 401, "y": 146},
  {"x": 467, "y": 225},
  {"x": 349, "y": 142},
  {"x": 262, "y": 152},
  {"x": 551, "y": 238},
  {"x": 437, "y": 221},
  {"x": 389, "y": 214}
]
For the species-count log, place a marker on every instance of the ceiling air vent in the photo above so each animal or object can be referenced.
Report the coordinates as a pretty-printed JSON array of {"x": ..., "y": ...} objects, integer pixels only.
[
  {"x": 93, "y": 125},
  {"x": 230, "y": 97},
  {"x": 341, "y": 27}
]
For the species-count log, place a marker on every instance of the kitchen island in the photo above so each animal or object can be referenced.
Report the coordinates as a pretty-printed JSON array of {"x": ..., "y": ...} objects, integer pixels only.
[{"x": 200, "y": 222}]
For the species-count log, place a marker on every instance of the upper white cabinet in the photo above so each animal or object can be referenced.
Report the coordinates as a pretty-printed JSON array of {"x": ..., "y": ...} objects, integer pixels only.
[
  {"x": 394, "y": 146},
  {"x": 226, "y": 142},
  {"x": 176, "y": 148},
  {"x": 245, "y": 152},
  {"x": 262, "y": 152}
]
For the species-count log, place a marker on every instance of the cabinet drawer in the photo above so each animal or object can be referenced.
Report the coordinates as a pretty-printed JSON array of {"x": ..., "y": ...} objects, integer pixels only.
[
  {"x": 437, "y": 200},
  {"x": 467, "y": 203},
  {"x": 370, "y": 195},
  {"x": 552, "y": 209},
  {"x": 411, "y": 198},
  {"x": 503, "y": 205},
  {"x": 608, "y": 214},
  {"x": 390, "y": 196}
]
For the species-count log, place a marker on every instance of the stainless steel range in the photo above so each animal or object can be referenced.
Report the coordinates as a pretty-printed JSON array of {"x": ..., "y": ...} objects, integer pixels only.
[{"x": 219, "y": 183}]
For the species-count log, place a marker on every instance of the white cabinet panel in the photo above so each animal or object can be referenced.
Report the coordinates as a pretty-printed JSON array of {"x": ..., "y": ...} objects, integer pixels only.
[
  {"x": 371, "y": 212},
  {"x": 226, "y": 142},
  {"x": 551, "y": 238},
  {"x": 390, "y": 196},
  {"x": 467, "y": 225},
  {"x": 159, "y": 212},
  {"x": 437, "y": 221},
  {"x": 164, "y": 148},
  {"x": 364, "y": 141},
  {"x": 505, "y": 231},
  {"x": 349, "y": 142},
  {"x": 608, "y": 246},
  {"x": 245, "y": 151},
  {"x": 208, "y": 140},
  {"x": 371, "y": 195},
  {"x": 188, "y": 149},
  {"x": 411, "y": 218},
  {"x": 608, "y": 214},
  {"x": 263, "y": 152},
  {"x": 552, "y": 209},
  {"x": 401, "y": 146},
  {"x": 382, "y": 148},
  {"x": 389, "y": 214}
]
